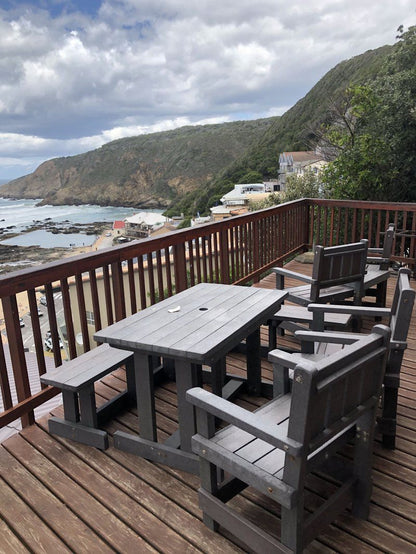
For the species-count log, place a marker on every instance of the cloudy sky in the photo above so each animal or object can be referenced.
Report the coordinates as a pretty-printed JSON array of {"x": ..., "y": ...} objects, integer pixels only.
[{"x": 75, "y": 74}]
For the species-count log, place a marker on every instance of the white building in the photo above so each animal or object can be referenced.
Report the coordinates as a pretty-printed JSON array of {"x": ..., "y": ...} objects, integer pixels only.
[
  {"x": 243, "y": 193},
  {"x": 143, "y": 224},
  {"x": 296, "y": 163}
]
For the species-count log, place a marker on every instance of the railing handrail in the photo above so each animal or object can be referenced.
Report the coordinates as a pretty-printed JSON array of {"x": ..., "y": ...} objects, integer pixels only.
[{"x": 24, "y": 279}]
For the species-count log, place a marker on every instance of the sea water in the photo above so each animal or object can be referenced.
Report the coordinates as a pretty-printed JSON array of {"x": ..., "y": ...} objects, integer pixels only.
[{"x": 23, "y": 213}]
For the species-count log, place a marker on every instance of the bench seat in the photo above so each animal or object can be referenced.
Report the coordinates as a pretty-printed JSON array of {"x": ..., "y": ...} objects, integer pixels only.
[{"x": 76, "y": 379}]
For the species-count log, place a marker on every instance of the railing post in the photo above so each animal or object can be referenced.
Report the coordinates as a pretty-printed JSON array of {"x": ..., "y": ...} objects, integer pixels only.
[
  {"x": 17, "y": 354},
  {"x": 256, "y": 246},
  {"x": 118, "y": 291},
  {"x": 307, "y": 228},
  {"x": 179, "y": 267},
  {"x": 224, "y": 257}
]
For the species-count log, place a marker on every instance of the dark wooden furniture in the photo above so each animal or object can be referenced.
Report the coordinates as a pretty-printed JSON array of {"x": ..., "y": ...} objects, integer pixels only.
[
  {"x": 76, "y": 379},
  {"x": 274, "y": 448},
  {"x": 378, "y": 268},
  {"x": 196, "y": 327},
  {"x": 327, "y": 343},
  {"x": 337, "y": 273}
]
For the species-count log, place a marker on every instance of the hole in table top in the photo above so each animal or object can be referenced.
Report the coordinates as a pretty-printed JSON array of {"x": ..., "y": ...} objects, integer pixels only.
[{"x": 203, "y": 309}]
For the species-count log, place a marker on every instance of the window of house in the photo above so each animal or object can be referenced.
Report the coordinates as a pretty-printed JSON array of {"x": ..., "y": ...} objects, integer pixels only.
[{"x": 90, "y": 317}]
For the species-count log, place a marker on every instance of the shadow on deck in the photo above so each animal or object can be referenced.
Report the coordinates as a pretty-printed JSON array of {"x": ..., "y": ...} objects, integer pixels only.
[{"x": 57, "y": 495}]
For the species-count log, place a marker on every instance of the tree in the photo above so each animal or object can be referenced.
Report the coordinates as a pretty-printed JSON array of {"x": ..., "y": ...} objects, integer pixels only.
[
  {"x": 376, "y": 157},
  {"x": 271, "y": 200},
  {"x": 307, "y": 185}
]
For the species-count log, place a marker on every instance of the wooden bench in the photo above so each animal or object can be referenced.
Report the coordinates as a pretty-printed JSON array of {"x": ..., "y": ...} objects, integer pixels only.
[
  {"x": 276, "y": 447},
  {"x": 76, "y": 379}
]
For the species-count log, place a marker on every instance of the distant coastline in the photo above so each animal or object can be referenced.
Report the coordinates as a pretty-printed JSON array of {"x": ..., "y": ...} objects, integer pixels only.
[{"x": 32, "y": 234}]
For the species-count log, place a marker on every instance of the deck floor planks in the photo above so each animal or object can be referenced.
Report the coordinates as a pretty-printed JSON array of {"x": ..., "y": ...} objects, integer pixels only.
[
  {"x": 47, "y": 461},
  {"x": 135, "y": 485},
  {"x": 390, "y": 528},
  {"x": 14, "y": 510},
  {"x": 68, "y": 526}
]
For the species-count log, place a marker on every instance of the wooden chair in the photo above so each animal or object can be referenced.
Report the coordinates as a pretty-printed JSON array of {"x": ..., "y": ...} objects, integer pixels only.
[
  {"x": 316, "y": 345},
  {"x": 337, "y": 273},
  {"x": 378, "y": 268},
  {"x": 274, "y": 448}
]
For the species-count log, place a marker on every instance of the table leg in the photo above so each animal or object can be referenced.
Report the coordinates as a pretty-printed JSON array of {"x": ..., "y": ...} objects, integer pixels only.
[
  {"x": 253, "y": 363},
  {"x": 143, "y": 369},
  {"x": 188, "y": 375}
]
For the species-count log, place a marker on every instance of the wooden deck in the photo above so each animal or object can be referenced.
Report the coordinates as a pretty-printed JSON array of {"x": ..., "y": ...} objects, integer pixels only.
[{"x": 58, "y": 496}]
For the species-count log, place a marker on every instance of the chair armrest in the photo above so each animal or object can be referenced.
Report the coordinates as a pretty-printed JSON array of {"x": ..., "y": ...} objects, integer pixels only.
[
  {"x": 375, "y": 260},
  {"x": 243, "y": 419},
  {"x": 375, "y": 250},
  {"x": 328, "y": 336},
  {"x": 353, "y": 310},
  {"x": 294, "y": 274},
  {"x": 283, "y": 358}
]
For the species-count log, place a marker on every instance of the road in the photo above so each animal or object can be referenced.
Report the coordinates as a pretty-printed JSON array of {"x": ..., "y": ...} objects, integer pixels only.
[{"x": 27, "y": 334}]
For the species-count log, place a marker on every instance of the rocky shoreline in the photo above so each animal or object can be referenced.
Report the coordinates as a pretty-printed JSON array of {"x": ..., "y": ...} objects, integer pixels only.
[{"x": 14, "y": 258}]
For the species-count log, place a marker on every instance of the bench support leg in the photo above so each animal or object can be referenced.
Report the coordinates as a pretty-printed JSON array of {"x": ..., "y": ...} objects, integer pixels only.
[
  {"x": 71, "y": 408},
  {"x": 79, "y": 433},
  {"x": 87, "y": 406}
]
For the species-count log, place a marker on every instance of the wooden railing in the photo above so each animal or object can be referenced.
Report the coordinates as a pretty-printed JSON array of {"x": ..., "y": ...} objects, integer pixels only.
[{"x": 88, "y": 292}]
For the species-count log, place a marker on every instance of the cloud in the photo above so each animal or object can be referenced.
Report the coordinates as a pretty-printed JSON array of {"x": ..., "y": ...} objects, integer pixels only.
[{"x": 83, "y": 72}]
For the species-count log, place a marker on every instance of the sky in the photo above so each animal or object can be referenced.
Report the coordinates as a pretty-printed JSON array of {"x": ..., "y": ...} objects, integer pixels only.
[{"x": 76, "y": 74}]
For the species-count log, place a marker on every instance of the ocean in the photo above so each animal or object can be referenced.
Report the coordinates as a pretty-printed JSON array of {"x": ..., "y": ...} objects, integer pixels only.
[{"x": 23, "y": 213}]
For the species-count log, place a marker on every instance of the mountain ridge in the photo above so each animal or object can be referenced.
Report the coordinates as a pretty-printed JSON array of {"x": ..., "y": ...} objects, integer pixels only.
[{"x": 147, "y": 171}]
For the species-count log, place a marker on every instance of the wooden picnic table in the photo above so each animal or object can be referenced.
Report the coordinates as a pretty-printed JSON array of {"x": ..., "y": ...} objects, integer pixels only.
[{"x": 196, "y": 327}]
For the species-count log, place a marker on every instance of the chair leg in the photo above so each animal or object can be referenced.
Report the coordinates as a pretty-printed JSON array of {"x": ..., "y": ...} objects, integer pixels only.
[
  {"x": 292, "y": 527},
  {"x": 364, "y": 442},
  {"x": 208, "y": 474},
  {"x": 381, "y": 293},
  {"x": 387, "y": 422}
]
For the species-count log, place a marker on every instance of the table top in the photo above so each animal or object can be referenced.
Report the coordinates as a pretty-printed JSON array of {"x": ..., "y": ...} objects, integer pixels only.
[{"x": 200, "y": 323}]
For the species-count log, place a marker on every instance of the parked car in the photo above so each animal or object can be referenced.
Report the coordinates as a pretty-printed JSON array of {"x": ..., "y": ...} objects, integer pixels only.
[
  {"x": 49, "y": 345},
  {"x": 22, "y": 323},
  {"x": 43, "y": 300},
  {"x": 40, "y": 313}
]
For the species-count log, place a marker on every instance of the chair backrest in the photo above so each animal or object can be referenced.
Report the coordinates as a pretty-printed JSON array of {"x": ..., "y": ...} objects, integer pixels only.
[
  {"x": 402, "y": 306},
  {"x": 387, "y": 246},
  {"x": 385, "y": 253},
  {"x": 329, "y": 396},
  {"x": 339, "y": 265}
]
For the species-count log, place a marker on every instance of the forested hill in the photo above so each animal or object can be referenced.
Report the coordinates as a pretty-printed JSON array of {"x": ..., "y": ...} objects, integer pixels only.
[
  {"x": 189, "y": 169},
  {"x": 143, "y": 171}
]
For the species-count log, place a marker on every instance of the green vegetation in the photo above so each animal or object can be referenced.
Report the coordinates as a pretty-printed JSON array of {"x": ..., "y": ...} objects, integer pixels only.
[
  {"x": 307, "y": 185},
  {"x": 376, "y": 136}
]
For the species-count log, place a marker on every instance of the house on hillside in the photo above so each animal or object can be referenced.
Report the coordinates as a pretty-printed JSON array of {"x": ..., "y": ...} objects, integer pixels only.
[
  {"x": 297, "y": 163},
  {"x": 141, "y": 225},
  {"x": 238, "y": 199}
]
